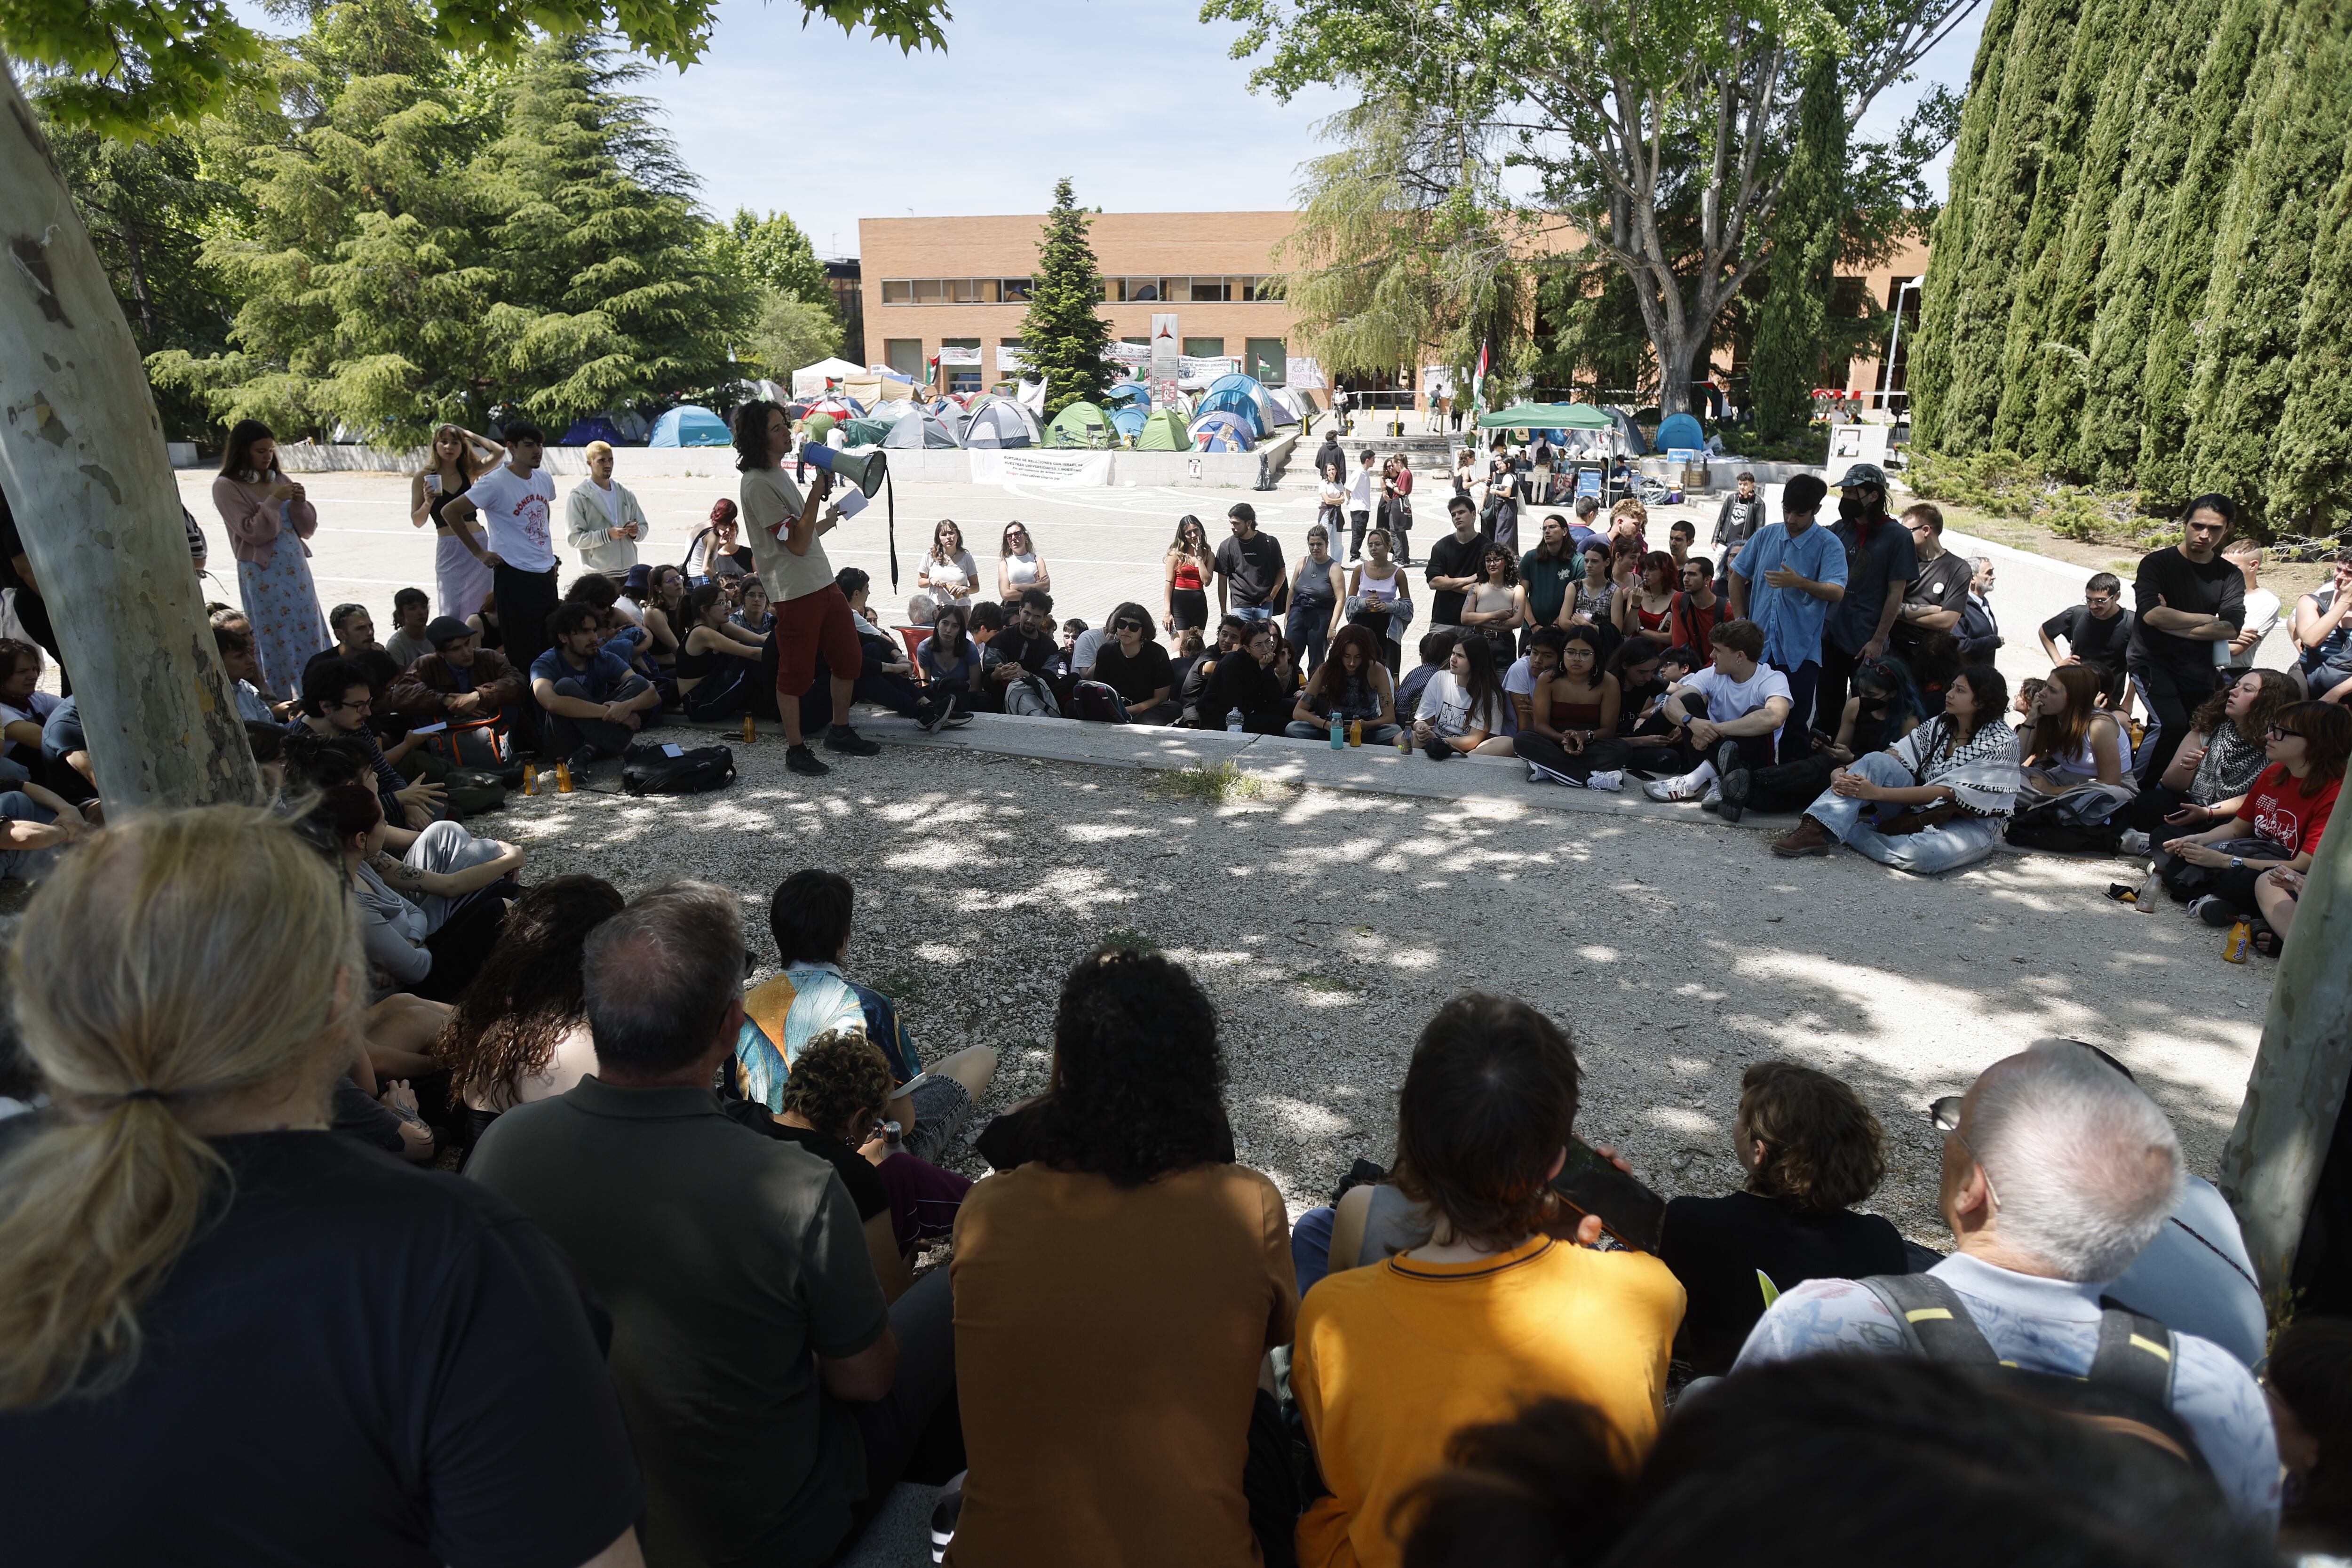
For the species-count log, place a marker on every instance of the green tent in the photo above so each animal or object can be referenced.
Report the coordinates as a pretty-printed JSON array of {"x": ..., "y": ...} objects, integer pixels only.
[
  {"x": 867, "y": 432},
  {"x": 1082, "y": 425},
  {"x": 1548, "y": 416},
  {"x": 1165, "y": 431}
]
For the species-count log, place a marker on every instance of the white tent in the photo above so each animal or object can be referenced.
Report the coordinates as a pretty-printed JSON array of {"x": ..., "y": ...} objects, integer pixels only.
[
  {"x": 1000, "y": 421},
  {"x": 810, "y": 379}
]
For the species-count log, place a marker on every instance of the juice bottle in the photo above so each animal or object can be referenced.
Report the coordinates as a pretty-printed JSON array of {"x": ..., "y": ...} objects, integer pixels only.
[
  {"x": 1338, "y": 733},
  {"x": 530, "y": 778},
  {"x": 562, "y": 776},
  {"x": 1355, "y": 731},
  {"x": 750, "y": 734},
  {"x": 2241, "y": 937}
]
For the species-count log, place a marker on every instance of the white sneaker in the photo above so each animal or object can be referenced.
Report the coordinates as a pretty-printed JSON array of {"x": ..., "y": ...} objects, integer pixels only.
[
  {"x": 1689, "y": 787},
  {"x": 2132, "y": 842},
  {"x": 1712, "y": 798},
  {"x": 1611, "y": 780}
]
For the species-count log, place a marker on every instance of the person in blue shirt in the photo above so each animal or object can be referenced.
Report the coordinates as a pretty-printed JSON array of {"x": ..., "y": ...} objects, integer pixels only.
[
  {"x": 1785, "y": 580},
  {"x": 593, "y": 702}
]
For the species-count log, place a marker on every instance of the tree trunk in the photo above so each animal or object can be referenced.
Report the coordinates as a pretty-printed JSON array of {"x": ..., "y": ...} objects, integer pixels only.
[
  {"x": 2270, "y": 1167},
  {"x": 82, "y": 458}
]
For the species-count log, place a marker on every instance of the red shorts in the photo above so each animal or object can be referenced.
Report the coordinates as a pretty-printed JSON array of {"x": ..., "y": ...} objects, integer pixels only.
[{"x": 814, "y": 621}]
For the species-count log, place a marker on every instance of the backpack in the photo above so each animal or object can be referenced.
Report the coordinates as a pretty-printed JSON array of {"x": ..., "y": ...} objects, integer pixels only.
[
  {"x": 647, "y": 768},
  {"x": 1094, "y": 700},
  {"x": 472, "y": 791},
  {"x": 2129, "y": 1390}
]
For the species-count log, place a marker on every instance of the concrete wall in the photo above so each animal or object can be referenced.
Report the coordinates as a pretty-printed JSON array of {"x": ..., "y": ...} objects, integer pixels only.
[{"x": 674, "y": 461}]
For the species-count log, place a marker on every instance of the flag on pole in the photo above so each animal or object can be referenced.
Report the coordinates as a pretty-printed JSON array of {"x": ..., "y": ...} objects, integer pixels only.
[{"x": 1478, "y": 383}]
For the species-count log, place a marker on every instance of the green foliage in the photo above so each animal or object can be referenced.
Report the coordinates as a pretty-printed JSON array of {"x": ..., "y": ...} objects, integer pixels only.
[
  {"x": 790, "y": 334},
  {"x": 2007, "y": 485},
  {"x": 1063, "y": 336},
  {"x": 1218, "y": 782},
  {"x": 1785, "y": 363},
  {"x": 772, "y": 252}
]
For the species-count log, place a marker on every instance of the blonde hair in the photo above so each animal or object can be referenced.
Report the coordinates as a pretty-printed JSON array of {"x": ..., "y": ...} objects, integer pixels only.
[
  {"x": 595, "y": 449},
  {"x": 175, "y": 960}
]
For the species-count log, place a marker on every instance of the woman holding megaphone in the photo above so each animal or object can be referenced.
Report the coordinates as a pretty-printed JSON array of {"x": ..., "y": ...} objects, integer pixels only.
[{"x": 812, "y": 616}]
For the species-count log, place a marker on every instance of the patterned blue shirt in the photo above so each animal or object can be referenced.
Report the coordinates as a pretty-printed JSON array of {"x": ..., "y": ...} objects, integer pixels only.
[{"x": 1791, "y": 618}]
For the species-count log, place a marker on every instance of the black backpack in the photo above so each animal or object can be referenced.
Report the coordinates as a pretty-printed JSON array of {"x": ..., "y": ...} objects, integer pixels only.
[
  {"x": 647, "y": 768},
  {"x": 2129, "y": 1390}
]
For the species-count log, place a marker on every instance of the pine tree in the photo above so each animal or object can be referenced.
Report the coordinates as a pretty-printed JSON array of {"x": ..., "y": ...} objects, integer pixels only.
[
  {"x": 1063, "y": 337},
  {"x": 1791, "y": 328}
]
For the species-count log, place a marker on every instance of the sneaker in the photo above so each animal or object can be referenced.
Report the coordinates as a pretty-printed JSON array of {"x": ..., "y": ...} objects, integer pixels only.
[
  {"x": 957, "y": 718},
  {"x": 1539, "y": 774},
  {"x": 1713, "y": 799},
  {"x": 931, "y": 715},
  {"x": 1688, "y": 786},
  {"x": 2213, "y": 911},
  {"x": 1809, "y": 839},
  {"x": 1609, "y": 779},
  {"x": 2132, "y": 842},
  {"x": 849, "y": 743},
  {"x": 583, "y": 762},
  {"x": 801, "y": 760},
  {"x": 946, "y": 1514}
]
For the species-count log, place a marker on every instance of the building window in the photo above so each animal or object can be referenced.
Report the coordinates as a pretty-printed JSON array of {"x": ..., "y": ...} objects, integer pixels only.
[
  {"x": 1204, "y": 347},
  {"x": 1254, "y": 289},
  {"x": 1016, "y": 291},
  {"x": 1263, "y": 358},
  {"x": 1135, "y": 289},
  {"x": 898, "y": 291},
  {"x": 904, "y": 355},
  {"x": 1208, "y": 290}
]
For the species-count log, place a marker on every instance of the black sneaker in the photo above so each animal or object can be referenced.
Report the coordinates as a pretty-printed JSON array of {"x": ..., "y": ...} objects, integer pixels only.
[
  {"x": 849, "y": 743},
  {"x": 801, "y": 760},
  {"x": 958, "y": 717},
  {"x": 1731, "y": 780},
  {"x": 583, "y": 762},
  {"x": 931, "y": 715}
]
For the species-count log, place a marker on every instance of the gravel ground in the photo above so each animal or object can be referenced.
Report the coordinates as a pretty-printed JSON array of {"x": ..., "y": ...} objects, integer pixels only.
[{"x": 1327, "y": 926}]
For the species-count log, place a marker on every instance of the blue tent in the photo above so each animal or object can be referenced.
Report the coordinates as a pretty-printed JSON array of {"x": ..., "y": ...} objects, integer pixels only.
[
  {"x": 594, "y": 427},
  {"x": 1223, "y": 431},
  {"x": 1270, "y": 413},
  {"x": 1235, "y": 401},
  {"x": 687, "y": 426},
  {"x": 1134, "y": 389},
  {"x": 1681, "y": 432},
  {"x": 1128, "y": 419}
]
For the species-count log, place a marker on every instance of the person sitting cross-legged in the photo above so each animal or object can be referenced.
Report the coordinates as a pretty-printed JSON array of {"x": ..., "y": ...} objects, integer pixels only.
[
  {"x": 773, "y": 1396},
  {"x": 2057, "y": 1172},
  {"x": 1350, "y": 686},
  {"x": 459, "y": 682},
  {"x": 1881, "y": 706},
  {"x": 1133, "y": 665},
  {"x": 1504, "y": 1299},
  {"x": 1934, "y": 800},
  {"x": 1247, "y": 683},
  {"x": 885, "y": 675},
  {"x": 718, "y": 662},
  {"x": 593, "y": 705},
  {"x": 1745, "y": 703},
  {"x": 1571, "y": 735},
  {"x": 2280, "y": 818},
  {"x": 336, "y": 701},
  {"x": 1464, "y": 708}
]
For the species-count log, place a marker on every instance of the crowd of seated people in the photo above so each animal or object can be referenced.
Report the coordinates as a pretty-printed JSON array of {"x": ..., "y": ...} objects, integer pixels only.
[{"x": 666, "y": 1313}]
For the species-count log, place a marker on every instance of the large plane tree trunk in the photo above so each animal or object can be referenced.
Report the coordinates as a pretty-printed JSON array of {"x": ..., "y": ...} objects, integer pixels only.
[{"x": 84, "y": 465}]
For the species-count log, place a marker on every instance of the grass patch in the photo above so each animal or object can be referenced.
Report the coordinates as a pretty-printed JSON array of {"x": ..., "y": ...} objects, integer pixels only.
[
  {"x": 1217, "y": 781},
  {"x": 1127, "y": 940},
  {"x": 1328, "y": 984}
]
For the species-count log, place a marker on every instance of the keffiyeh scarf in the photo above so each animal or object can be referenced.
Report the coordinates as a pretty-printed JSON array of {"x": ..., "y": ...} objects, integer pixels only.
[{"x": 1982, "y": 774}]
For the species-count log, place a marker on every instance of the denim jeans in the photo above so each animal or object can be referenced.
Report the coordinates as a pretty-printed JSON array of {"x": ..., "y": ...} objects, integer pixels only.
[
  {"x": 26, "y": 864},
  {"x": 1309, "y": 628},
  {"x": 1253, "y": 613},
  {"x": 1310, "y": 1244},
  {"x": 565, "y": 735},
  {"x": 1945, "y": 849}
]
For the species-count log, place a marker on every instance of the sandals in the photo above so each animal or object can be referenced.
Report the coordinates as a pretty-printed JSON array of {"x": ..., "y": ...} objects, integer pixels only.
[{"x": 2265, "y": 939}]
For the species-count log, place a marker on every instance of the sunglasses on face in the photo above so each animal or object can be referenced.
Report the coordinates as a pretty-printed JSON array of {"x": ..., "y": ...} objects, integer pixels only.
[{"x": 1127, "y": 626}]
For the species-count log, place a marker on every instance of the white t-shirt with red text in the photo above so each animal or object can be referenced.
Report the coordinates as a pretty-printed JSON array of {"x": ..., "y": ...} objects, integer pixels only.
[{"x": 516, "y": 511}]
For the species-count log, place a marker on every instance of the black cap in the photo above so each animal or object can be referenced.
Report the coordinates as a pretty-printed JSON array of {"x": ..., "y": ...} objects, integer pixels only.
[{"x": 442, "y": 630}]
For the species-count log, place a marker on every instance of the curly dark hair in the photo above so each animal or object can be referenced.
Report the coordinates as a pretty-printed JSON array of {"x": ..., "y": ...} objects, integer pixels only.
[
  {"x": 1821, "y": 1145},
  {"x": 1138, "y": 1076},
  {"x": 838, "y": 1075},
  {"x": 1489, "y": 1099},
  {"x": 526, "y": 998},
  {"x": 2278, "y": 692}
]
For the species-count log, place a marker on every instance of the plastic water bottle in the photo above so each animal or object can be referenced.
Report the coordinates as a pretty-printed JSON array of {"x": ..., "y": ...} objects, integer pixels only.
[
  {"x": 1338, "y": 735},
  {"x": 1234, "y": 719}
]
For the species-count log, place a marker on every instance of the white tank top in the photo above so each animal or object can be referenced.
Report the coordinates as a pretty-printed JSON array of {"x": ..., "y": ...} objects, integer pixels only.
[
  {"x": 1379, "y": 590},
  {"x": 1021, "y": 571}
]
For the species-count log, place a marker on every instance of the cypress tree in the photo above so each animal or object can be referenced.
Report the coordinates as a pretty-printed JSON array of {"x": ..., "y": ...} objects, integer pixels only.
[
  {"x": 2312, "y": 468},
  {"x": 1063, "y": 337},
  {"x": 1785, "y": 363},
  {"x": 2220, "y": 111},
  {"x": 2262, "y": 258}
]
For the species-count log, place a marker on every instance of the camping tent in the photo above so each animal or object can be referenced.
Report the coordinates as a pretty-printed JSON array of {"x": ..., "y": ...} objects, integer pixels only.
[
  {"x": 1129, "y": 420},
  {"x": 1235, "y": 401},
  {"x": 1000, "y": 421},
  {"x": 842, "y": 409},
  {"x": 1081, "y": 424},
  {"x": 924, "y": 432},
  {"x": 1165, "y": 430},
  {"x": 1221, "y": 431},
  {"x": 1132, "y": 391},
  {"x": 686, "y": 425},
  {"x": 1263, "y": 409},
  {"x": 592, "y": 428},
  {"x": 1681, "y": 432},
  {"x": 866, "y": 432},
  {"x": 810, "y": 379},
  {"x": 1297, "y": 402}
]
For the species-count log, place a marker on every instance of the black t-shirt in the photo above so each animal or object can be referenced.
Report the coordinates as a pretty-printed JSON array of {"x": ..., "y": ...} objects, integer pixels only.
[
  {"x": 2216, "y": 588},
  {"x": 1013, "y": 646},
  {"x": 359, "y": 1364},
  {"x": 1876, "y": 566},
  {"x": 2097, "y": 643},
  {"x": 1941, "y": 584},
  {"x": 1134, "y": 679},
  {"x": 857, "y": 1171},
  {"x": 1452, "y": 557},
  {"x": 1717, "y": 1246},
  {"x": 1253, "y": 565}
]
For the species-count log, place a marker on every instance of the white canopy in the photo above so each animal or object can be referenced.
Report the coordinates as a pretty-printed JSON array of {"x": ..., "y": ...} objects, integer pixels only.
[{"x": 810, "y": 379}]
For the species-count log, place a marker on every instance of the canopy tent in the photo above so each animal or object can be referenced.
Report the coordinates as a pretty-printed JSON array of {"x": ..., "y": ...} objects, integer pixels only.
[
  {"x": 1165, "y": 430},
  {"x": 1223, "y": 431},
  {"x": 1135, "y": 391},
  {"x": 1082, "y": 425},
  {"x": 810, "y": 379},
  {"x": 1548, "y": 416},
  {"x": 1681, "y": 432},
  {"x": 1129, "y": 420},
  {"x": 687, "y": 426},
  {"x": 1000, "y": 421},
  {"x": 924, "y": 432},
  {"x": 871, "y": 390},
  {"x": 593, "y": 427}
]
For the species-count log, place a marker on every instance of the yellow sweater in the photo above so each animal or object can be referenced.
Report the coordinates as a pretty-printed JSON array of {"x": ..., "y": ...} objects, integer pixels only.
[{"x": 1393, "y": 1360}]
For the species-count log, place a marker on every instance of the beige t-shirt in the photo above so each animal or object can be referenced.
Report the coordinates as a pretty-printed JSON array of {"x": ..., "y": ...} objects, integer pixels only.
[{"x": 770, "y": 499}]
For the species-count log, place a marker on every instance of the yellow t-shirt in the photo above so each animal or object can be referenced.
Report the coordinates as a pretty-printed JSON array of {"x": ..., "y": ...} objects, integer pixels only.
[{"x": 1393, "y": 1360}]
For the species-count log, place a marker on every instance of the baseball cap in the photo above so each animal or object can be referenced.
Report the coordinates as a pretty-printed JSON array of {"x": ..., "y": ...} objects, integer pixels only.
[
  {"x": 1864, "y": 474},
  {"x": 442, "y": 630}
]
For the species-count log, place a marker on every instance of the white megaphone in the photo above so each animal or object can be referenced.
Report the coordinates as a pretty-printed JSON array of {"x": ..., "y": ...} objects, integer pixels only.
[{"x": 869, "y": 471}]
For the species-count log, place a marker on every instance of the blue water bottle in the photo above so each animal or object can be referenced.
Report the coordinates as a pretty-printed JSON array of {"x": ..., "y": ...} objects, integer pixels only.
[{"x": 1338, "y": 733}]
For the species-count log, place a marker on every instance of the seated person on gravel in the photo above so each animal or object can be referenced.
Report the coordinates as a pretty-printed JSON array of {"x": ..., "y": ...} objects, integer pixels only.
[
  {"x": 25, "y": 709},
  {"x": 2077, "y": 770},
  {"x": 402, "y": 747},
  {"x": 717, "y": 661},
  {"x": 593, "y": 705},
  {"x": 1571, "y": 738},
  {"x": 1811, "y": 1150},
  {"x": 1935, "y": 800},
  {"x": 1881, "y": 708},
  {"x": 1133, "y": 665},
  {"x": 1728, "y": 715},
  {"x": 1247, "y": 683},
  {"x": 460, "y": 683},
  {"x": 886, "y": 678},
  {"x": 833, "y": 1105},
  {"x": 2218, "y": 762},
  {"x": 336, "y": 700},
  {"x": 1463, "y": 708},
  {"x": 1435, "y": 648},
  {"x": 1022, "y": 663},
  {"x": 2057, "y": 1172},
  {"x": 243, "y": 666},
  {"x": 1522, "y": 675},
  {"x": 810, "y": 917},
  {"x": 433, "y": 945},
  {"x": 950, "y": 658},
  {"x": 1351, "y": 684},
  {"x": 2279, "y": 820},
  {"x": 412, "y": 611}
]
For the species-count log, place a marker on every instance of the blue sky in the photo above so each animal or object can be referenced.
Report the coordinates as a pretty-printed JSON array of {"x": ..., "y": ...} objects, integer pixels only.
[{"x": 1135, "y": 100}]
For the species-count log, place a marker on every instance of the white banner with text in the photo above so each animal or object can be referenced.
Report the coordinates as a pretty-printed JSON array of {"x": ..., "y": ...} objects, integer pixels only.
[{"x": 997, "y": 467}]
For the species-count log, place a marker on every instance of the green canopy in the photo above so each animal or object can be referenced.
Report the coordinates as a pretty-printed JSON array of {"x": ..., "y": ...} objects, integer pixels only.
[
  {"x": 1082, "y": 425},
  {"x": 1164, "y": 431},
  {"x": 1548, "y": 416}
]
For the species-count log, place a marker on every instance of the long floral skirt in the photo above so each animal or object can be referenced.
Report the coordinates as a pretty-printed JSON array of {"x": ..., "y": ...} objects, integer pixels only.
[{"x": 289, "y": 628}]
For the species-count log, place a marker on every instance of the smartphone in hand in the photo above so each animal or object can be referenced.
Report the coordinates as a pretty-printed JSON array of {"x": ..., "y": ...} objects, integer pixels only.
[{"x": 1628, "y": 1211}]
